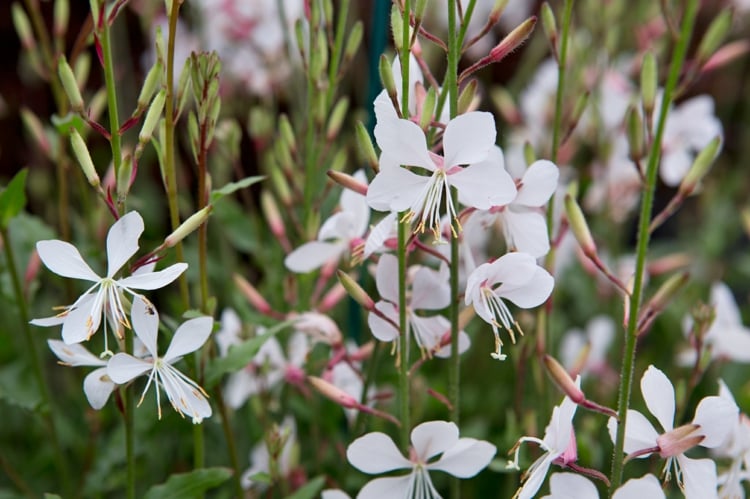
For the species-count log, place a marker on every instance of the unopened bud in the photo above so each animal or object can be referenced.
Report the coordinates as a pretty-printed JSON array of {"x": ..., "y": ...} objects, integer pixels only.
[
  {"x": 81, "y": 153},
  {"x": 332, "y": 298},
  {"x": 319, "y": 57},
  {"x": 700, "y": 167},
  {"x": 70, "y": 85},
  {"x": 36, "y": 130},
  {"x": 337, "y": 118},
  {"x": 386, "y": 76},
  {"x": 23, "y": 26},
  {"x": 726, "y": 54},
  {"x": 667, "y": 291},
  {"x": 649, "y": 82},
  {"x": 397, "y": 27},
  {"x": 366, "y": 149},
  {"x": 272, "y": 214},
  {"x": 259, "y": 124},
  {"x": 287, "y": 133},
  {"x": 504, "y": 103},
  {"x": 355, "y": 290},
  {"x": 124, "y": 177},
  {"x": 549, "y": 24},
  {"x": 348, "y": 182},
  {"x": 515, "y": 39},
  {"x": 61, "y": 16},
  {"x": 280, "y": 185},
  {"x": 188, "y": 226},
  {"x": 152, "y": 117},
  {"x": 340, "y": 161},
  {"x": 328, "y": 12},
  {"x": 634, "y": 127},
  {"x": 252, "y": 295},
  {"x": 563, "y": 380},
  {"x": 428, "y": 108},
  {"x": 354, "y": 41},
  {"x": 333, "y": 393},
  {"x": 81, "y": 69},
  {"x": 95, "y": 6},
  {"x": 419, "y": 11},
  {"x": 579, "y": 226},
  {"x": 714, "y": 36},
  {"x": 529, "y": 155},
  {"x": 150, "y": 84},
  {"x": 467, "y": 99}
]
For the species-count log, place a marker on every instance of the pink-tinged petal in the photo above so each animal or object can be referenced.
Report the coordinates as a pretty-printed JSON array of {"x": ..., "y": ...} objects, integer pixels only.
[
  {"x": 698, "y": 477},
  {"x": 468, "y": 138},
  {"x": 640, "y": 488},
  {"x": 83, "y": 321},
  {"x": 380, "y": 328},
  {"x": 376, "y": 453},
  {"x": 395, "y": 188},
  {"x": 98, "y": 387},
  {"x": 154, "y": 280},
  {"x": 74, "y": 355},
  {"x": 384, "y": 230},
  {"x": 571, "y": 486},
  {"x": 658, "y": 393},
  {"x": 433, "y": 437},
  {"x": 430, "y": 290},
  {"x": 145, "y": 323},
  {"x": 428, "y": 330},
  {"x": 312, "y": 255},
  {"x": 559, "y": 431},
  {"x": 511, "y": 269},
  {"x": 64, "y": 259},
  {"x": 464, "y": 343},
  {"x": 538, "y": 184},
  {"x": 189, "y": 337},
  {"x": 405, "y": 142},
  {"x": 122, "y": 241},
  {"x": 466, "y": 458},
  {"x": 122, "y": 367},
  {"x": 639, "y": 433},
  {"x": 483, "y": 185},
  {"x": 386, "y": 278},
  {"x": 531, "y": 294},
  {"x": 535, "y": 479},
  {"x": 396, "y": 486},
  {"x": 716, "y": 417},
  {"x": 526, "y": 231},
  {"x": 356, "y": 205}
]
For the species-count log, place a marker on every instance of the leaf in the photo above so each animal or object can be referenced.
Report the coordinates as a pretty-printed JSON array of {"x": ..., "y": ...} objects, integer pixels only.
[
  {"x": 191, "y": 484},
  {"x": 47, "y": 495},
  {"x": 18, "y": 388},
  {"x": 239, "y": 355},
  {"x": 310, "y": 489},
  {"x": 13, "y": 198},
  {"x": 65, "y": 123},
  {"x": 234, "y": 186}
]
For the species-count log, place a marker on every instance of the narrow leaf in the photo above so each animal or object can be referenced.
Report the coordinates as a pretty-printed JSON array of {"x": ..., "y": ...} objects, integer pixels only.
[
  {"x": 310, "y": 490},
  {"x": 234, "y": 186},
  {"x": 191, "y": 484},
  {"x": 13, "y": 198}
]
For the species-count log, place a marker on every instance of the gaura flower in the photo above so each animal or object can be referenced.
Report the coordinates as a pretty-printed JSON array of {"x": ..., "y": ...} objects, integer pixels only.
[
  {"x": 104, "y": 298},
  {"x": 467, "y": 140},
  {"x": 185, "y": 395},
  {"x": 97, "y": 385},
  {"x": 376, "y": 453},
  {"x": 737, "y": 448},
  {"x": 283, "y": 436},
  {"x": 515, "y": 277},
  {"x": 714, "y": 419},
  {"x": 573, "y": 486}
]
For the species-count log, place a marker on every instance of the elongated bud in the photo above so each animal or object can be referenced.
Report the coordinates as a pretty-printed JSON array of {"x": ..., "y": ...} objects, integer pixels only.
[
  {"x": 549, "y": 24},
  {"x": 529, "y": 155},
  {"x": 700, "y": 167},
  {"x": 428, "y": 108},
  {"x": 61, "y": 16},
  {"x": 726, "y": 54},
  {"x": 340, "y": 161},
  {"x": 497, "y": 10},
  {"x": 579, "y": 226},
  {"x": 333, "y": 393},
  {"x": 354, "y": 41},
  {"x": 386, "y": 76},
  {"x": 150, "y": 84},
  {"x": 319, "y": 57},
  {"x": 82, "y": 68},
  {"x": 397, "y": 27},
  {"x": 634, "y": 126},
  {"x": 260, "y": 124},
  {"x": 714, "y": 36},
  {"x": 366, "y": 149},
  {"x": 332, "y": 298},
  {"x": 667, "y": 291},
  {"x": 94, "y": 6},
  {"x": 649, "y": 82},
  {"x": 23, "y": 26},
  {"x": 251, "y": 294},
  {"x": 328, "y": 12},
  {"x": 124, "y": 177},
  {"x": 505, "y": 104},
  {"x": 287, "y": 133},
  {"x": 280, "y": 184},
  {"x": 515, "y": 39},
  {"x": 467, "y": 99},
  {"x": 152, "y": 117},
  {"x": 36, "y": 130},
  {"x": 337, "y": 118},
  {"x": 299, "y": 35},
  {"x": 563, "y": 380},
  {"x": 70, "y": 85},
  {"x": 188, "y": 226},
  {"x": 355, "y": 290},
  {"x": 81, "y": 153},
  {"x": 419, "y": 10},
  {"x": 272, "y": 214},
  {"x": 746, "y": 220},
  {"x": 348, "y": 182}
]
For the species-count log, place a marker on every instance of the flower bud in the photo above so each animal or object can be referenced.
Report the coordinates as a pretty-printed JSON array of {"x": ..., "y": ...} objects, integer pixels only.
[
  {"x": 549, "y": 24},
  {"x": 504, "y": 103},
  {"x": 700, "y": 167},
  {"x": 23, "y": 26},
  {"x": 467, "y": 99},
  {"x": 340, "y": 161},
  {"x": 36, "y": 130},
  {"x": 579, "y": 226},
  {"x": 287, "y": 133},
  {"x": 334, "y": 393},
  {"x": 563, "y": 380},
  {"x": 353, "y": 42},
  {"x": 337, "y": 118},
  {"x": 280, "y": 185},
  {"x": 515, "y": 39},
  {"x": 81, "y": 69},
  {"x": 428, "y": 108},
  {"x": 348, "y": 182},
  {"x": 70, "y": 86},
  {"x": 649, "y": 82},
  {"x": 260, "y": 124},
  {"x": 152, "y": 117},
  {"x": 188, "y": 226},
  {"x": 252, "y": 295},
  {"x": 332, "y": 298},
  {"x": 328, "y": 12},
  {"x": 667, "y": 291},
  {"x": 366, "y": 149},
  {"x": 386, "y": 76},
  {"x": 124, "y": 178},
  {"x": 714, "y": 36},
  {"x": 81, "y": 153},
  {"x": 319, "y": 57},
  {"x": 150, "y": 84},
  {"x": 634, "y": 127},
  {"x": 397, "y": 27},
  {"x": 726, "y": 54},
  {"x": 497, "y": 10},
  {"x": 61, "y": 16},
  {"x": 355, "y": 290}
]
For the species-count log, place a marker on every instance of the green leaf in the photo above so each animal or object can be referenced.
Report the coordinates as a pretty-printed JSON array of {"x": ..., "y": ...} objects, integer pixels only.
[
  {"x": 234, "y": 186},
  {"x": 191, "y": 484},
  {"x": 310, "y": 490},
  {"x": 47, "y": 495},
  {"x": 239, "y": 355},
  {"x": 17, "y": 387},
  {"x": 13, "y": 198},
  {"x": 65, "y": 123}
]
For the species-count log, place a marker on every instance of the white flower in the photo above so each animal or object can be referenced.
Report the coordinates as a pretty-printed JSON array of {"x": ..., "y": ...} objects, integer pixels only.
[
  {"x": 336, "y": 234},
  {"x": 515, "y": 277},
  {"x": 713, "y": 420},
  {"x": 184, "y": 394},
  {"x": 593, "y": 344},
  {"x": 559, "y": 445},
  {"x": 429, "y": 291},
  {"x": 260, "y": 457},
  {"x": 573, "y": 486},
  {"x": 376, "y": 453},
  {"x": 104, "y": 298},
  {"x": 97, "y": 385},
  {"x": 467, "y": 140},
  {"x": 737, "y": 448}
]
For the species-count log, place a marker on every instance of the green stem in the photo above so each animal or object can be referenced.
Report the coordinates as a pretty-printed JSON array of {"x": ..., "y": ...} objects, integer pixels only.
[
  {"x": 338, "y": 45},
  {"x": 229, "y": 437},
  {"x": 114, "y": 119},
  {"x": 628, "y": 363},
  {"x": 129, "y": 418},
  {"x": 36, "y": 365},
  {"x": 561, "y": 67}
]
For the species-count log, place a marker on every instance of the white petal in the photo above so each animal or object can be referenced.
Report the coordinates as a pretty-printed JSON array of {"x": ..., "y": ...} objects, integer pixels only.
[
  {"x": 405, "y": 142},
  {"x": 297, "y": 349},
  {"x": 98, "y": 387},
  {"x": 376, "y": 453},
  {"x": 430, "y": 290},
  {"x": 154, "y": 280},
  {"x": 240, "y": 386},
  {"x": 640, "y": 488},
  {"x": 483, "y": 185},
  {"x": 699, "y": 477},
  {"x": 538, "y": 184},
  {"x": 333, "y": 494},
  {"x": 433, "y": 437},
  {"x": 312, "y": 255},
  {"x": 526, "y": 231},
  {"x": 639, "y": 433},
  {"x": 386, "y": 277},
  {"x": 122, "y": 367},
  {"x": 535, "y": 479},
  {"x": 532, "y": 293},
  {"x": 145, "y": 323},
  {"x": 55, "y": 320},
  {"x": 429, "y": 330},
  {"x": 395, "y": 188},
  {"x": 658, "y": 393},
  {"x": 122, "y": 241},
  {"x": 74, "y": 355},
  {"x": 465, "y": 459},
  {"x": 384, "y": 230},
  {"x": 674, "y": 165},
  {"x": 189, "y": 337},
  {"x": 83, "y": 321},
  {"x": 464, "y": 342},
  {"x": 571, "y": 486},
  {"x": 64, "y": 259},
  {"x": 512, "y": 268},
  {"x": 184, "y": 395},
  {"x": 395, "y": 487},
  {"x": 716, "y": 417},
  {"x": 355, "y": 206},
  {"x": 468, "y": 138},
  {"x": 380, "y": 328}
]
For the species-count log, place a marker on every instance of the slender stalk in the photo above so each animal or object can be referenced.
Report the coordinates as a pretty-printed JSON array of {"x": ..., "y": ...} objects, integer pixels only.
[
  {"x": 129, "y": 417},
  {"x": 109, "y": 80},
  {"x": 338, "y": 45},
  {"x": 628, "y": 363},
  {"x": 562, "y": 57},
  {"x": 36, "y": 365},
  {"x": 229, "y": 437}
]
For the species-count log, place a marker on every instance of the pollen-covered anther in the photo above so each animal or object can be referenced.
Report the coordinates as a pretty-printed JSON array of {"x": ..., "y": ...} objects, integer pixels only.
[{"x": 679, "y": 440}]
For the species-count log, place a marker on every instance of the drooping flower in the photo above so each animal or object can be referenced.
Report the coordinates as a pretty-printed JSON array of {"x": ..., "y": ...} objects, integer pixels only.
[
  {"x": 376, "y": 453},
  {"x": 714, "y": 418},
  {"x": 467, "y": 140},
  {"x": 185, "y": 395},
  {"x": 574, "y": 486},
  {"x": 515, "y": 277},
  {"x": 97, "y": 385},
  {"x": 104, "y": 298}
]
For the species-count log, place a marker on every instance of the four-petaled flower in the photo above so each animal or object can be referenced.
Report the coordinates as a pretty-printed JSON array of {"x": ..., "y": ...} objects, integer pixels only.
[
  {"x": 97, "y": 385},
  {"x": 376, "y": 453},
  {"x": 185, "y": 395},
  {"x": 573, "y": 486}
]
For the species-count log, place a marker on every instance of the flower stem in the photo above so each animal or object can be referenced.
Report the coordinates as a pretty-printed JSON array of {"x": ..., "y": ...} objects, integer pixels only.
[
  {"x": 561, "y": 67},
  {"x": 129, "y": 418},
  {"x": 114, "y": 119},
  {"x": 628, "y": 363}
]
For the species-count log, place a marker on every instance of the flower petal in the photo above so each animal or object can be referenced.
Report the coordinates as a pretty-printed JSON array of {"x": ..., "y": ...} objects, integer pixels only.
[
  {"x": 532, "y": 293},
  {"x": 312, "y": 255},
  {"x": 535, "y": 479},
  {"x": 658, "y": 393},
  {"x": 386, "y": 277},
  {"x": 405, "y": 142},
  {"x": 122, "y": 241},
  {"x": 571, "y": 486},
  {"x": 145, "y": 323},
  {"x": 433, "y": 437},
  {"x": 716, "y": 417},
  {"x": 380, "y": 328},
  {"x": 639, "y": 488},
  {"x": 154, "y": 280},
  {"x": 384, "y": 230},
  {"x": 64, "y": 259},
  {"x": 74, "y": 355},
  {"x": 483, "y": 185},
  {"x": 83, "y": 321},
  {"x": 376, "y": 453},
  {"x": 189, "y": 337},
  {"x": 512, "y": 269},
  {"x": 394, "y": 188},
  {"x": 699, "y": 477},
  {"x": 396, "y": 486},
  {"x": 525, "y": 231},
  {"x": 123, "y": 367},
  {"x": 465, "y": 459},
  {"x": 98, "y": 387},
  {"x": 538, "y": 184},
  {"x": 468, "y": 138},
  {"x": 639, "y": 433}
]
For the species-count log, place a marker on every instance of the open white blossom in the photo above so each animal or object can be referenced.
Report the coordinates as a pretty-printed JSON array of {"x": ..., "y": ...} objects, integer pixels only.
[
  {"x": 574, "y": 486},
  {"x": 97, "y": 385}
]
